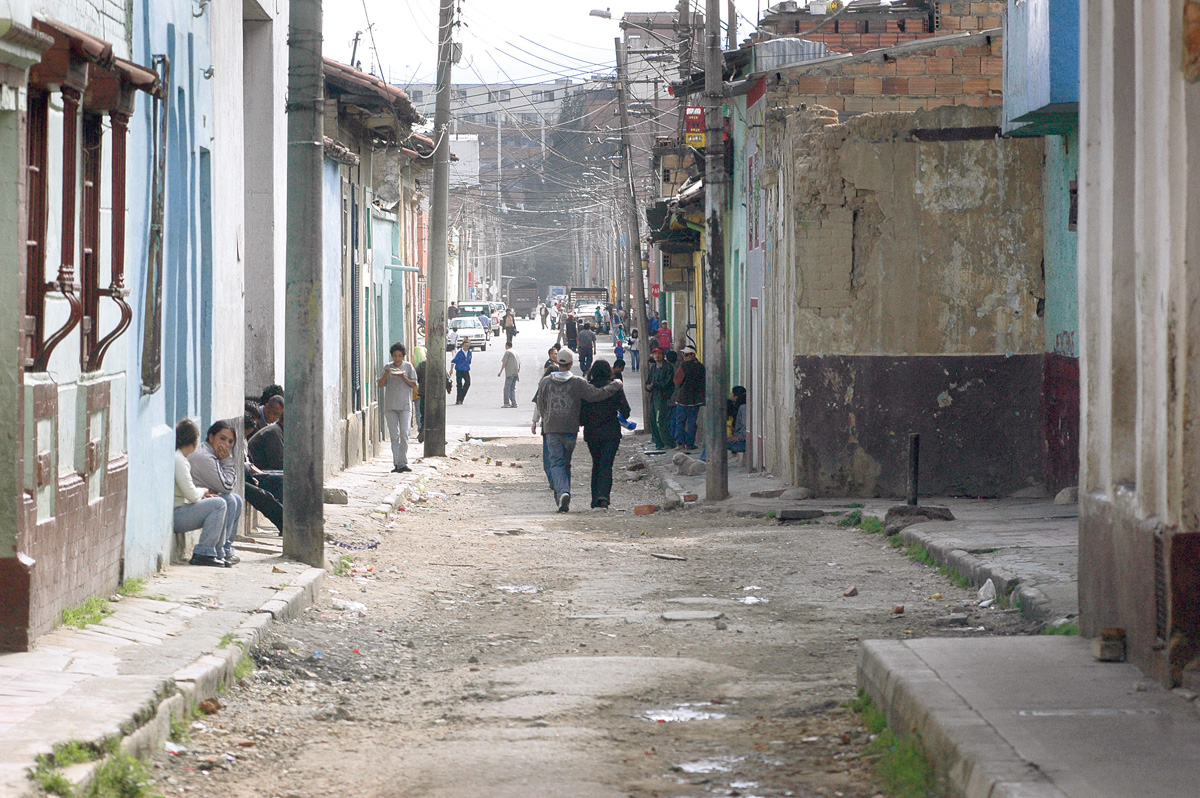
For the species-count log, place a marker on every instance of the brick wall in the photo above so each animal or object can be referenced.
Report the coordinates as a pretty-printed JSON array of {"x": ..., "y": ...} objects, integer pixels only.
[
  {"x": 860, "y": 33},
  {"x": 967, "y": 73}
]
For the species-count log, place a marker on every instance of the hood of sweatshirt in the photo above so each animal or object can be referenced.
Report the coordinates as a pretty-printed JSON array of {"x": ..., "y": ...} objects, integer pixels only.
[{"x": 561, "y": 376}]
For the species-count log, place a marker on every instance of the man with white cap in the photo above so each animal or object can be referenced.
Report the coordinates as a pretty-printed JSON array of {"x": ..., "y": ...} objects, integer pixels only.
[
  {"x": 557, "y": 403},
  {"x": 690, "y": 397}
]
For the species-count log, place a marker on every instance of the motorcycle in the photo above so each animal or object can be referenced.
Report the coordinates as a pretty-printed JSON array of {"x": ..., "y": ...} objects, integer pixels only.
[{"x": 420, "y": 325}]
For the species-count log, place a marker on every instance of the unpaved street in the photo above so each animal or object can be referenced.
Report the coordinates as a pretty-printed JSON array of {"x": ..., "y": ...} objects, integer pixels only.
[{"x": 508, "y": 650}]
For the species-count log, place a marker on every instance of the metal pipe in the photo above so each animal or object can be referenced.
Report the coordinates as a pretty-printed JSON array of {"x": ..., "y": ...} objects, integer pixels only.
[{"x": 914, "y": 462}]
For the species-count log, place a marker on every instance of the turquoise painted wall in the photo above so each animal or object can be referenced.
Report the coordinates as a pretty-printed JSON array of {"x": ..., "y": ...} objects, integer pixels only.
[
  {"x": 1062, "y": 289},
  {"x": 167, "y": 27}
]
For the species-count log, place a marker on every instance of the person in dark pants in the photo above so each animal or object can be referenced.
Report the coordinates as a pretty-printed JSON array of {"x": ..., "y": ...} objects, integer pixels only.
[
  {"x": 587, "y": 347},
  {"x": 462, "y": 370},
  {"x": 689, "y": 398},
  {"x": 602, "y": 432},
  {"x": 571, "y": 329},
  {"x": 659, "y": 383}
]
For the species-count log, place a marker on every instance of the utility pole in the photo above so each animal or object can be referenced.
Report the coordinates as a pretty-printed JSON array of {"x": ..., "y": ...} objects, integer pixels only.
[
  {"x": 304, "y": 434},
  {"x": 439, "y": 219},
  {"x": 633, "y": 238},
  {"x": 731, "y": 12},
  {"x": 716, "y": 187}
]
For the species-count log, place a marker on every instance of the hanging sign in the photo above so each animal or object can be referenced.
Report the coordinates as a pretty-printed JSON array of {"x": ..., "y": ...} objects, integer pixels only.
[{"x": 693, "y": 126}]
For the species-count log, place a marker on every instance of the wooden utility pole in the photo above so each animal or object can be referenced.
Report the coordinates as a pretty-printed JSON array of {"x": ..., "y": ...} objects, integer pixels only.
[
  {"x": 304, "y": 434},
  {"x": 439, "y": 230},
  {"x": 633, "y": 238},
  {"x": 716, "y": 188}
]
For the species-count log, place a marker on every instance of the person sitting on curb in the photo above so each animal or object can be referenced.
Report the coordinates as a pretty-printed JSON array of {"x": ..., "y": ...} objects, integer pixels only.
[
  {"x": 196, "y": 508},
  {"x": 214, "y": 469},
  {"x": 557, "y": 405}
]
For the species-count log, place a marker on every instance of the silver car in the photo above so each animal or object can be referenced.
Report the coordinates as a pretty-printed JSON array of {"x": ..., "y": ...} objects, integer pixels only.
[{"x": 465, "y": 327}]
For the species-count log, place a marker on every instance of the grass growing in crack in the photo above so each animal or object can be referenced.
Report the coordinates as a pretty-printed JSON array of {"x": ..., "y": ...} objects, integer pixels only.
[
  {"x": 918, "y": 553},
  {"x": 47, "y": 773},
  {"x": 245, "y": 665},
  {"x": 1068, "y": 629},
  {"x": 871, "y": 524},
  {"x": 226, "y": 640},
  {"x": 180, "y": 731},
  {"x": 343, "y": 565},
  {"x": 122, "y": 777},
  {"x": 854, "y": 519},
  {"x": 133, "y": 586},
  {"x": 52, "y": 782},
  {"x": 900, "y": 765},
  {"x": 91, "y": 611}
]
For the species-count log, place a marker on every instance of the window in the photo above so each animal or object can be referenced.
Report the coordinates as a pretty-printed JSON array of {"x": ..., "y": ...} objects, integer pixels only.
[
  {"x": 460, "y": 94},
  {"x": 418, "y": 96}
]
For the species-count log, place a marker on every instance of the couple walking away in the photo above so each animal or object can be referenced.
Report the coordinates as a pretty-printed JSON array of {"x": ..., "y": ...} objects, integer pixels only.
[{"x": 560, "y": 405}]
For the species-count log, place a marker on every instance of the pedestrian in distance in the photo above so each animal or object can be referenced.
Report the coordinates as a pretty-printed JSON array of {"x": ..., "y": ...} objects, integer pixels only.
[
  {"x": 663, "y": 336},
  {"x": 510, "y": 327},
  {"x": 635, "y": 349},
  {"x": 196, "y": 508},
  {"x": 557, "y": 405},
  {"x": 571, "y": 331},
  {"x": 398, "y": 380},
  {"x": 451, "y": 311},
  {"x": 214, "y": 469},
  {"x": 660, "y": 385},
  {"x": 551, "y": 364},
  {"x": 587, "y": 347},
  {"x": 485, "y": 321},
  {"x": 510, "y": 367},
  {"x": 602, "y": 432},
  {"x": 689, "y": 398},
  {"x": 462, "y": 371},
  {"x": 618, "y": 369}
]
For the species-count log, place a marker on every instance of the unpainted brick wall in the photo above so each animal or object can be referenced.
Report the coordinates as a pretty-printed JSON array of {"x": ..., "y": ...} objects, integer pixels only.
[
  {"x": 106, "y": 19},
  {"x": 959, "y": 74},
  {"x": 847, "y": 35},
  {"x": 826, "y": 248}
]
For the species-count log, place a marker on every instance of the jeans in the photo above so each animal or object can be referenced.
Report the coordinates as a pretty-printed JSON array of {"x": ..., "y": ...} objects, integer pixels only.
[
  {"x": 510, "y": 391},
  {"x": 673, "y": 419},
  {"x": 686, "y": 416},
  {"x": 233, "y": 514},
  {"x": 633, "y": 359},
  {"x": 603, "y": 453},
  {"x": 207, "y": 515},
  {"x": 657, "y": 419},
  {"x": 462, "y": 381},
  {"x": 398, "y": 424},
  {"x": 586, "y": 355},
  {"x": 557, "y": 449},
  {"x": 266, "y": 503},
  {"x": 419, "y": 415}
]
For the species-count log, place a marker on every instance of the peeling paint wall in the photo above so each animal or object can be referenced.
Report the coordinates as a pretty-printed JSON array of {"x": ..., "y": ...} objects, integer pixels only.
[{"x": 908, "y": 262}]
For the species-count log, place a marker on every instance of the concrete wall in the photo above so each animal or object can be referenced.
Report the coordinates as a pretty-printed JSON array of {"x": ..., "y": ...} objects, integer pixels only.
[
  {"x": 1139, "y": 547},
  {"x": 929, "y": 253},
  {"x": 335, "y": 435},
  {"x": 110, "y": 20},
  {"x": 265, "y": 137}
]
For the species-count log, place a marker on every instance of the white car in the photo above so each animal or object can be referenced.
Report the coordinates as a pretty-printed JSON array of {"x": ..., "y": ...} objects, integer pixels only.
[{"x": 465, "y": 327}]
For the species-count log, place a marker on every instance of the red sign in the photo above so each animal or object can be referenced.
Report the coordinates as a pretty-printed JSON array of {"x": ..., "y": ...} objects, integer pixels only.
[
  {"x": 693, "y": 126},
  {"x": 654, "y": 291}
]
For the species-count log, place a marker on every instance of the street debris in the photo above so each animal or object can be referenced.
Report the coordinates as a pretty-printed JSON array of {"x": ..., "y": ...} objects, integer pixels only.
[
  {"x": 987, "y": 594},
  {"x": 753, "y": 600},
  {"x": 898, "y": 609},
  {"x": 523, "y": 590},
  {"x": 675, "y": 557},
  {"x": 645, "y": 509},
  {"x": 682, "y": 713},
  {"x": 850, "y": 591},
  {"x": 350, "y": 606},
  {"x": 692, "y": 615}
]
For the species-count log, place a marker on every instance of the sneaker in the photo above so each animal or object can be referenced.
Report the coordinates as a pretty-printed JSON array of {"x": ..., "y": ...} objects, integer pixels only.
[
  {"x": 602, "y": 504},
  {"x": 564, "y": 502},
  {"x": 232, "y": 560},
  {"x": 204, "y": 559}
]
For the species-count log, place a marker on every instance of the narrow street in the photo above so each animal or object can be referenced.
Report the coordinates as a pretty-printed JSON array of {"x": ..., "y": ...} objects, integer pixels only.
[{"x": 509, "y": 650}]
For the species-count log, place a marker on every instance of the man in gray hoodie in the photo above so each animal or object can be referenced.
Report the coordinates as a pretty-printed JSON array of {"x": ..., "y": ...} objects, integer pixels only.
[{"x": 560, "y": 395}]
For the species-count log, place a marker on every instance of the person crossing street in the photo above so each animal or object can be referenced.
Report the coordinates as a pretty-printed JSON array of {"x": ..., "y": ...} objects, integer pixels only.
[
  {"x": 462, "y": 371},
  {"x": 510, "y": 367}
]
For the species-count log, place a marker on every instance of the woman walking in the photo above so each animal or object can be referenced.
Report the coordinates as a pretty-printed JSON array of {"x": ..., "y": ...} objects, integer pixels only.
[
  {"x": 214, "y": 468},
  {"x": 195, "y": 508},
  {"x": 602, "y": 432},
  {"x": 510, "y": 326},
  {"x": 462, "y": 370},
  {"x": 635, "y": 349}
]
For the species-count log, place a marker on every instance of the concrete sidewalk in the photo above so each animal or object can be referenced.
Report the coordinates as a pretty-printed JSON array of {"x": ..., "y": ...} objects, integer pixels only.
[{"x": 1005, "y": 717}]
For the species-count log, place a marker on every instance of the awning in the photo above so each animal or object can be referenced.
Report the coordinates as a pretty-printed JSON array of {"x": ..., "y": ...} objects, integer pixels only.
[{"x": 106, "y": 82}]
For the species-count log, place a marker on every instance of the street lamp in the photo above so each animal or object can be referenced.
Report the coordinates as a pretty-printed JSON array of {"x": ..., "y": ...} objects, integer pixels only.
[{"x": 605, "y": 14}]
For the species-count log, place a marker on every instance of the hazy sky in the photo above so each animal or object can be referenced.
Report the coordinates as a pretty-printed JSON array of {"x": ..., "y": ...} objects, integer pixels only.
[{"x": 518, "y": 40}]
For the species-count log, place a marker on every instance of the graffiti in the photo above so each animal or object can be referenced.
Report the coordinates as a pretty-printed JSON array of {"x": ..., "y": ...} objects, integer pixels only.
[{"x": 1064, "y": 343}]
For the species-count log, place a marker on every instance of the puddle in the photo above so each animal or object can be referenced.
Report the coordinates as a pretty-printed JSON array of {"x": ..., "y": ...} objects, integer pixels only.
[
  {"x": 682, "y": 713},
  {"x": 720, "y": 764},
  {"x": 521, "y": 589},
  {"x": 753, "y": 600}
]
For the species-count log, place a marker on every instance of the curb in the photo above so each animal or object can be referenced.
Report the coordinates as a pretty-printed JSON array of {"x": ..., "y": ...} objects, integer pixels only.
[
  {"x": 1033, "y": 603},
  {"x": 144, "y": 732},
  {"x": 672, "y": 490}
]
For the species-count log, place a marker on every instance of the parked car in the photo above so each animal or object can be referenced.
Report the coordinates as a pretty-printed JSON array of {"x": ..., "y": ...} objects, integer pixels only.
[
  {"x": 467, "y": 326},
  {"x": 586, "y": 311},
  {"x": 477, "y": 308}
]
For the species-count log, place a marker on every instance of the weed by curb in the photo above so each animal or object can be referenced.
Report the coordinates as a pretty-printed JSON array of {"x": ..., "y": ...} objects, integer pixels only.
[
  {"x": 1069, "y": 629},
  {"x": 899, "y": 763},
  {"x": 343, "y": 565},
  {"x": 94, "y": 610}
]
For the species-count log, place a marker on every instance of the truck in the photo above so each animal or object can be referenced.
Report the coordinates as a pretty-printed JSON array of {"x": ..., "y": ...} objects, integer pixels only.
[
  {"x": 594, "y": 295},
  {"x": 523, "y": 296},
  {"x": 555, "y": 293}
]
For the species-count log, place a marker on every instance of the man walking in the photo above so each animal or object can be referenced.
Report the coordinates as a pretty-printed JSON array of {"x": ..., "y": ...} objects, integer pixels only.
[
  {"x": 462, "y": 370},
  {"x": 510, "y": 367},
  {"x": 571, "y": 329},
  {"x": 560, "y": 396},
  {"x": 451, "y": 311},
  {"x": 587, "y": 348},
  {"x": 398, "y": 379},
  {"x": 690, "y": 379},
  {"x": 544, "y": 312},
  {"x": 660, "y": 384}
]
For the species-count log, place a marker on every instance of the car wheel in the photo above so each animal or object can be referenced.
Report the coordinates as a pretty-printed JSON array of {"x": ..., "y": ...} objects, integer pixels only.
[{"x": 483, "y": 347}]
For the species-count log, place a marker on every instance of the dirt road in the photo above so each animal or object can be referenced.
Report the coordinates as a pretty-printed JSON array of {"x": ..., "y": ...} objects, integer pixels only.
[{"x": 508, "y": 650}]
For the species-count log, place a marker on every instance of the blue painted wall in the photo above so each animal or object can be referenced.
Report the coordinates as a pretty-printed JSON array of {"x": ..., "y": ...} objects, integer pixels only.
[
  {"x": 1041, "y": 62},
  {"x": 331, "y": 217},
  {"x": 1060, "y": 245},
  {"x": 167, "y": 28}
]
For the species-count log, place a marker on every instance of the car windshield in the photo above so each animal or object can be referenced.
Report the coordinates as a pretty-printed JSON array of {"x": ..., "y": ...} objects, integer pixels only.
[
  {"x": 459, "y": 323},
  {"x": 473, "y": 309}
]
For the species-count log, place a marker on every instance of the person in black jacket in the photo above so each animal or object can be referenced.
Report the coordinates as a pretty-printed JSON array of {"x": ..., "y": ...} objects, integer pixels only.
[{"x": 602, "y": 432}]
